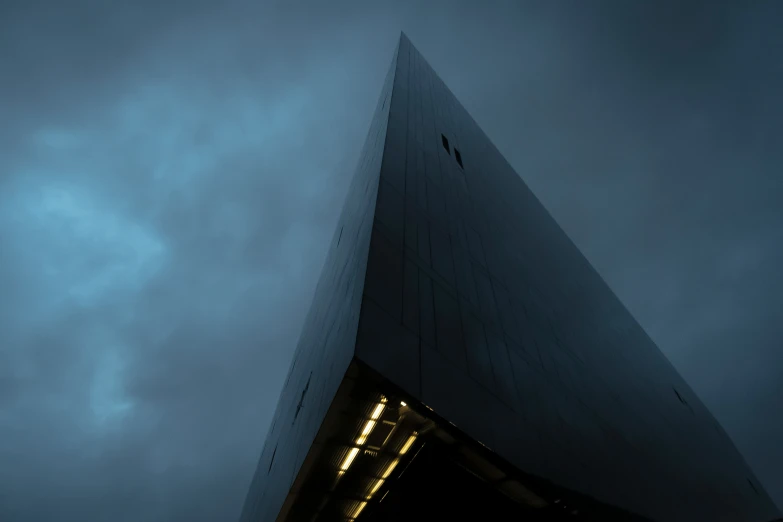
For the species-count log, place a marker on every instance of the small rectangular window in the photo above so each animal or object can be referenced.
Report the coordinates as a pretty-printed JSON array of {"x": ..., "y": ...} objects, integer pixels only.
[
  {"x": 459, "y": 157},
  {"x": 445, "y": 143}
]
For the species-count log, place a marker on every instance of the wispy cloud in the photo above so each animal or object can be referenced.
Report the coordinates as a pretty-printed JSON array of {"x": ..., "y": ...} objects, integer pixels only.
[{"x": 170, "y": 175}]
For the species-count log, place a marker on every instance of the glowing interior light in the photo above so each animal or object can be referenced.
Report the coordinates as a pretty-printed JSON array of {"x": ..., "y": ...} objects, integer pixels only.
[
  {"x": 376, "y": 486},
  {"x": 368, "y": 426},
  {"x": 386, "y": 472},
  {"x": 403, "y": 403},
  {"x": 349, "y": 459},
  {"x": 393, "y": 464},
  {"x": 408, "y": 444},
  {"x": 390, "y": 468},
  {"x": 358, "y": 509},
  {"x": 377, "y": 411}
]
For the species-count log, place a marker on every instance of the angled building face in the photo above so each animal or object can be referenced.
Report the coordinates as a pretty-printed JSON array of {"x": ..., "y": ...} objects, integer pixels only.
[{"x": 463, "y": 360}]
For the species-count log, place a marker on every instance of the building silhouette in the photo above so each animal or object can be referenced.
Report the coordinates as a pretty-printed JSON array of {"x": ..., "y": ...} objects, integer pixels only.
[{"x": 463, "y": 361}]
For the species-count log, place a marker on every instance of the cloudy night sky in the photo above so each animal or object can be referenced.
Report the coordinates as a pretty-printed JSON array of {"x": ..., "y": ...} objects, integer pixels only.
[{"x": 171, "y": 173}]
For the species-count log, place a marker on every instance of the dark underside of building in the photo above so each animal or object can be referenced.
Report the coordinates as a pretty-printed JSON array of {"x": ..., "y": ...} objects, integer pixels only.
[
  {"x": 383, "y": 456},
  {"x": 462, "y": 360}
]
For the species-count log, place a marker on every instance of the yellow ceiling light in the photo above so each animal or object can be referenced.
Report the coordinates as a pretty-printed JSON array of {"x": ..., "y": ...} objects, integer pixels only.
[
  {"x": 349, "y": 459},
  {"x": 386, "y": 472},
  {"x": 358, "y": 510},
  {"x": 393, "y": 464},
  {"x": 370, "y": 424},
  {"x": 408, "y": 444},
  {"x": 377, "y": 411},
  {"x": 389, "y": 469},
  {"x": 403, "y": 403},
  {"x": 376, "y": 486}
]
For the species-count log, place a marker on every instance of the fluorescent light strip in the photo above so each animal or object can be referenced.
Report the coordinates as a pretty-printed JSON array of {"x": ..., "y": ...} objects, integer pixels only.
[
  {"x": 377, "y": 411},
  {"x": 393, "y": 464},
  {"x": 349, "y": 459},
  {"x": 370, "y": 424},
  {"x": 386, "y": 472},
  {"x": 376, "y": 486},
  {"x": 368, "y": 427},
  {"x": 408, "y": 444},
  {"x": 366, "y": 430},
  {"x": 357, "y": 511},
  {"x": 390, "y": 468}
]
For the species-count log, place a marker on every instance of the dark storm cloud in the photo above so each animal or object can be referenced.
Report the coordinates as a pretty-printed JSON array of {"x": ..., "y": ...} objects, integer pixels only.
[{"x": 171, "y": 173}]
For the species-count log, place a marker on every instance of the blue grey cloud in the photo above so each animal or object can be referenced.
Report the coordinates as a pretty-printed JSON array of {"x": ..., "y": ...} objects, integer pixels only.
[{"x": 171, "y": 172}]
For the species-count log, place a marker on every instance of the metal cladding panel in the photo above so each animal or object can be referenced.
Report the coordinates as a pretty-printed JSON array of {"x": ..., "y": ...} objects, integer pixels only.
[
  {"x": 478, "y": 304},
  {"x": 326, "y": 346}
]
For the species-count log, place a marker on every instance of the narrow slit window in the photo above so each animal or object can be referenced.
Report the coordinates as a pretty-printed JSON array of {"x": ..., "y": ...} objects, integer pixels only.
[
  {"x": 301, "y": 400},
  {"x": 272, "y": 460},
  {"x": 679, "y": 396},
  {"x": 459, "y": 158},
  {"x": 445, "y": 141}
]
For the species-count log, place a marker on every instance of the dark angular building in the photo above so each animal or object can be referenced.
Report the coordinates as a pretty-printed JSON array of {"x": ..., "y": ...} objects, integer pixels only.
[{"x": 463, "y": 361}]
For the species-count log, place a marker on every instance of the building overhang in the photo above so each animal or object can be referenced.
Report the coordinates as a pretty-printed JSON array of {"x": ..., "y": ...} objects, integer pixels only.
[{"x": 380, "y": 454}]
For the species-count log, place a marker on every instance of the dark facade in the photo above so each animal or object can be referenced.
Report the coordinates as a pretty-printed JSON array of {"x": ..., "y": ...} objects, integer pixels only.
[{"x": 453, "y": 301}]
